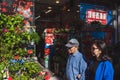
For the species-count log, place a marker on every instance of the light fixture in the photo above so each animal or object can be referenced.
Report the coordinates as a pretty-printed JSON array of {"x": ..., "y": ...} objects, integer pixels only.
[
  {"x": 57, "y": 1},
  {"x": 78, "y": 5},
  {"x": 68, "y": 9},
  {"x": 77, "y": 11},
  {"x": 48, "y": 11},
  {"x": 49, "y": 7},
  {"x": 37, "y": 17}
]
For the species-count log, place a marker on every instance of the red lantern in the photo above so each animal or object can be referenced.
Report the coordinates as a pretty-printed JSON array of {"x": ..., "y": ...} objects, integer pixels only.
[{"x": 31, "y": 19}]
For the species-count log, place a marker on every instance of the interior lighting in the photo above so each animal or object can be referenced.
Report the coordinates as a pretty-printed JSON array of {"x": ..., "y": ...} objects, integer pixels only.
[
  {"x": 77, "y": 11},
  {"x": 68, "y": 9},
  {"x": 49, "y": 7},
  {"x": 48, "y": 11},
  {"x": 37, "y": 17},
  {"x": 78, "y": 5},
  {"x": 57, "y": 1}
]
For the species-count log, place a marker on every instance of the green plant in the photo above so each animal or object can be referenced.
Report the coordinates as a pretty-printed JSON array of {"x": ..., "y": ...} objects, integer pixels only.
[
  {"x": 2, "y": 65},
  {"x": 13, "y": 37},
  {"x": 34, "y": 37},
  {"x": 25, "y": 70},
  {"x": 32, "y": 68},
  {"x": 14, "y": 40}
]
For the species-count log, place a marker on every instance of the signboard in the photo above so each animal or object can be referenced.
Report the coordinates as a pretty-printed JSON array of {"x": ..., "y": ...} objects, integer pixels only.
[
  {"x": 90, "y": 12},
  {"x": 96, "y": 15}
]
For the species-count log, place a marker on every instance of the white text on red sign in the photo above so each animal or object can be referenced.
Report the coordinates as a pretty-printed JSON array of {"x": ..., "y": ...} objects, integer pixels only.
[{"x": 96, "y": 15}]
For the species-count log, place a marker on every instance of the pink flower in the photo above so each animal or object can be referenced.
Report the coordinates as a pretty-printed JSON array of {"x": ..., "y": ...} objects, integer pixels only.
[
  {"x": 4, "y": 4},
  {"x": 14, "y": 5},
  {"x": 4, "y": 30},
  {"x": 4, "y": 10}
]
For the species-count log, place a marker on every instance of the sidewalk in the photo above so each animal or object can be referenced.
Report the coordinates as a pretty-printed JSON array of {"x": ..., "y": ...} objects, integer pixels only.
[{"x": 53, "y": 77}]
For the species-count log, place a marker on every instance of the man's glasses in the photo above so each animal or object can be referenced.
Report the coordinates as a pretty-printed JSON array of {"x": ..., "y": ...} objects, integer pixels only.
[{"x": 69, "y": 48}]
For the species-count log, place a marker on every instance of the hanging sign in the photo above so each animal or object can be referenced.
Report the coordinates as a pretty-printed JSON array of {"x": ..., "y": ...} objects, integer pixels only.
[{"x": 96, "y": 15}]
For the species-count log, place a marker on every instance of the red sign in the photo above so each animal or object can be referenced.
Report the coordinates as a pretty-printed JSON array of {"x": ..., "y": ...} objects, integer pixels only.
[{"x": 96, "y": 15}]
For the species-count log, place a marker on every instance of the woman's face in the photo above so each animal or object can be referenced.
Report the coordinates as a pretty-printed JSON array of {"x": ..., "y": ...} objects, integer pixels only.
[{"x": 96, "y": 51}]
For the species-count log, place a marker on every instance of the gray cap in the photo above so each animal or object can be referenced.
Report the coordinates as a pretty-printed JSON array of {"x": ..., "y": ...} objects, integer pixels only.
[{"x": 72, "y": 43}]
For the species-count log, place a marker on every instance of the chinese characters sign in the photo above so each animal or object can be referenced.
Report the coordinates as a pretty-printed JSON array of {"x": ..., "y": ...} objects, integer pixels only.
[
  {"x": 96, "y": 15},
  {"x": 90, "y": 13}
]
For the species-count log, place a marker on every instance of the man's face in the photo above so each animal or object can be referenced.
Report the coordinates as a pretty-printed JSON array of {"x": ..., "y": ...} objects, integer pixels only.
[{"x": 71, "y": 50}]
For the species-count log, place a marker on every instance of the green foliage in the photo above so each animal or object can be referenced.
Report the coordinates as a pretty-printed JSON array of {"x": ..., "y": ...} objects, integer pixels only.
[
  {"x": 35, "y": 37},
  {"x": 14, "y": 40},
  {"x": 24, "y": 71},
  {"x": 32, "y": 68},
  {"x": 15, "y": 67},
  {"x": 13, "y": 36},
  {"x": 21, "y": 77},
  {"x": 2, "y": 65}
]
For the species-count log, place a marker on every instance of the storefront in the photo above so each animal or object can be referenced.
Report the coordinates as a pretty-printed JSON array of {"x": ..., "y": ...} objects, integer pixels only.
[{"x": 83, "y": 21}]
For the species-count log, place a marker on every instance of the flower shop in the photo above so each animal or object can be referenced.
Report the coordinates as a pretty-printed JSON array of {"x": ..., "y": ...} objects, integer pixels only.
[
  {"x": 94, "y": 23},
  {"x": 18, "y": 38},
  {"x": 31, "y": 41}
]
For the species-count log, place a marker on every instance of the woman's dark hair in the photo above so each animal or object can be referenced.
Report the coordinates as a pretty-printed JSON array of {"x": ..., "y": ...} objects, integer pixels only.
[{"x": 101, "y": 45}]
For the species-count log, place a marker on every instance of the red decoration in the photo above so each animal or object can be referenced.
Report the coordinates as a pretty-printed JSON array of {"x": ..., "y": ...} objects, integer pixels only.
[
  {"x": 16, "y": 57},
  {"x": 25, "y": 21},
  {"x": 31, "y": 19},
  {"x": 49, "y": 39},
  {"x": 10, "y": 78},
  {"x": 30, "y": 3},
  {"x": 49, "y": 30},
  {"x": 14, "y": 5},
  {"x": 47, "y": 76},
  {"x": 30, "y": 51},
  {"x": 4, "y": 10},
  {"x": 47, "y": 51},
  {"x": 4, "y": 4}
]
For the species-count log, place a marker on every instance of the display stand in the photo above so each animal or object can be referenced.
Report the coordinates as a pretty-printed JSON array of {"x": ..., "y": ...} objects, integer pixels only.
[
  {"x": 48, "y": 43},
  {"x": 59, "y": 57}
]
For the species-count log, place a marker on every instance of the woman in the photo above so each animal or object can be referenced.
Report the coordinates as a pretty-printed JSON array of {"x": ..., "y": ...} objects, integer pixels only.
[{"x": 101, "y": 67}]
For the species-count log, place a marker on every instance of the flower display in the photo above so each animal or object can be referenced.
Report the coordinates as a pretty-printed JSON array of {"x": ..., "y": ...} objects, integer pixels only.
[{"x": 14, "y": 41}]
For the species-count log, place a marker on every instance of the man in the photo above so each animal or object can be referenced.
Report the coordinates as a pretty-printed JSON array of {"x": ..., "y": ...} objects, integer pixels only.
[{"x": 76, "y": 64}]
